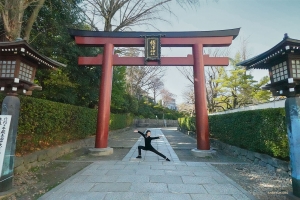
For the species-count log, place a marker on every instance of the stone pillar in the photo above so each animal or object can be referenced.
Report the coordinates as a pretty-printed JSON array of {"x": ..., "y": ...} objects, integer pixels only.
[
  {"x": 292, "y": 110},
  {"x": 10, "y": 106}
]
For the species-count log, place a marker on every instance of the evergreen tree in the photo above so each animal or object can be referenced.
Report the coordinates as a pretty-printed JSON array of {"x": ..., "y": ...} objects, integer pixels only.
[{"x": 237, "y": 88}]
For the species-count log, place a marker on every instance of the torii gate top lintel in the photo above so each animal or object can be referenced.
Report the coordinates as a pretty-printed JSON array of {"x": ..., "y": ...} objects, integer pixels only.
[{"x": 215, "y": 38}]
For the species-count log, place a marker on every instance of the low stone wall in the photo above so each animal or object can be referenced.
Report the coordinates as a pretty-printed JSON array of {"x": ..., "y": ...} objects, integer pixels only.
[
  {"x": 272, "y": 164},
  {"x": 42, "y": 157}
]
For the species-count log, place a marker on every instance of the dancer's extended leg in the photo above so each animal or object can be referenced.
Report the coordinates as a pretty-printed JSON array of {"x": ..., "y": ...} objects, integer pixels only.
[
  {"x": 140, "y": 153},
  {"x": 158, "y": 153}
]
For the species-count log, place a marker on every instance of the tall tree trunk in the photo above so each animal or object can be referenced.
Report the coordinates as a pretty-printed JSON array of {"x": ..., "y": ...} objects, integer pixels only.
[
  {"x": 12, "y": 15},
  {"x": 32, "y": 19}
]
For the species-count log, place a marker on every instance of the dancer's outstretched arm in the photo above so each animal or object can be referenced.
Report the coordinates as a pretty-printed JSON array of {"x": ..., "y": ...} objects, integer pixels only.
[{"x": 136, "y": 131}]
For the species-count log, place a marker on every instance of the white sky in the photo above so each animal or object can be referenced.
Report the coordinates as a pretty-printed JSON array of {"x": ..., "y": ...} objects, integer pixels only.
[{"x": 263, "y": 22}]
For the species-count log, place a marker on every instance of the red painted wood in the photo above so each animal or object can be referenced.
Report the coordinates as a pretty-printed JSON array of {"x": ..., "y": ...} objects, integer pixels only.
[
  {"x": 165, "y": 42},
  {"x": 197, "y": 60},
  {"x": 200, "y": 99},
  {"x": 165, "y": 61},
  {"x": 104, "y": 98}
]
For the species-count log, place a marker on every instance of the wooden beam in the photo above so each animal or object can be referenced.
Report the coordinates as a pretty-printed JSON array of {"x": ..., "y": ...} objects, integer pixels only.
[
  {"x": 165, "y": 61},
  {"x": 165, "y": 42}
]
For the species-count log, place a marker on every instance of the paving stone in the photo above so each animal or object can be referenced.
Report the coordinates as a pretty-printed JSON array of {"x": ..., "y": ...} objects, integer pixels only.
[
  {"x": 174, "y": 163},
  {"x": 92, "y": 166},
  {"x": 165, "y": 179},
  {"x": 120, "y": 172},
  {"x": 149, "y": 158},
  {"x": 133, "y": 178},
  {"x": 101, "y": 179},
  {"x": 207, "y": 169},
  {"x": 150, "y": 172},
  {"x": 127, "y": 163},
  {"x": 127, "y": 195},
  {"x": 197, "y": 180},
  {"x": 111, "y": 187},
  {"x": 149, "y": 187},
  {"x": 196, "y": 164},
  {"x": 212, "y": 197},
  {"x": 53, "y": 195},
  {"x": 186, "y": 188},
  {"x": 179, "y": 173},
  {"x": 156, "y": 196},
  {"x": 79, "y": 178},
  {"x": 148, "y": 163},
  {"x": 107, "y": 162},
  {"x": 111, "y": 167},
  {"x": 76, "y": 187},
  {"x": 94, "y": 172},
  {"x": 166, "y": 167},
  {"x": 85, "y": 195}
]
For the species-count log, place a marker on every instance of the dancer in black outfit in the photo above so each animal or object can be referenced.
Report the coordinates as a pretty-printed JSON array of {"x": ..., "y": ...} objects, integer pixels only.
[{"x": 148, "y": 146}]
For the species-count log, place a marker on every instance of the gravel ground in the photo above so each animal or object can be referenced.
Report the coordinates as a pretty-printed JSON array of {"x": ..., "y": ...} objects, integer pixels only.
[{"x": 258, "y": 181}]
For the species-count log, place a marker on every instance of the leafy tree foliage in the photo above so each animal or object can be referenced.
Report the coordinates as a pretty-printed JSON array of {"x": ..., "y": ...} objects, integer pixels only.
[
  {"x": 50, "y": 37},
  {"x": 150, "y": 110},
  {"x": 237, "y": 88}
]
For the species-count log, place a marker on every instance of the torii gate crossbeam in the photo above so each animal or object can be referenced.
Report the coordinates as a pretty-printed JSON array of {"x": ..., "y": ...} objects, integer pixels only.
[{"x": 196, "y": 40}]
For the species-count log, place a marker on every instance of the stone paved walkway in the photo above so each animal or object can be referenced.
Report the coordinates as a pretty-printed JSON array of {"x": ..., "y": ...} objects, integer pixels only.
[{"x": 150, "y": 178}]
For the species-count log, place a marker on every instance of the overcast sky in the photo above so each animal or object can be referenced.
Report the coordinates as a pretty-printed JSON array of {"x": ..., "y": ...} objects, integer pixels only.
[{"x": 262, "y": 22}]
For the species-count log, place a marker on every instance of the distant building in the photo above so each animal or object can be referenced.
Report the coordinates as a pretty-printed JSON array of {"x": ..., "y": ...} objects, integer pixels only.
[{"x": 171, "y": 104}]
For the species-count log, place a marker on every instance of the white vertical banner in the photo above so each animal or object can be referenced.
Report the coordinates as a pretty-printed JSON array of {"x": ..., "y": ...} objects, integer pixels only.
[{"x": 4, "y": 129}]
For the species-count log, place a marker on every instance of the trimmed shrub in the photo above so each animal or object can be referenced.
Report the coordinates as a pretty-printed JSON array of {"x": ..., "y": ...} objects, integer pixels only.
[
  {"x": 118, "y": 121},
  {"x": 262, "y": 131},
  {"x": 44, "y": 123},
  {"x": 187, "y": 123}
]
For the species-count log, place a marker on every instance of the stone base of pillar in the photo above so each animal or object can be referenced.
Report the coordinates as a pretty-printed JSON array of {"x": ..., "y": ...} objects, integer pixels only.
[
  {"x": 291, "y": 196},
  {"x": 296, "y": 187},
  {"x": 6, "y": 184},
  {"x": 203, "y": 153},
  {"x": 101, "y": 151},
  {"x": 8, "y": 193}
]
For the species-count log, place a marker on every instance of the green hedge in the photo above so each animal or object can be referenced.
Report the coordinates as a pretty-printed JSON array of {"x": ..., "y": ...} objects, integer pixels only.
[
  {"x": 45, "y": 123},
  {"x": 187, "y": 123},
  {"x": 262, "y": 131}
]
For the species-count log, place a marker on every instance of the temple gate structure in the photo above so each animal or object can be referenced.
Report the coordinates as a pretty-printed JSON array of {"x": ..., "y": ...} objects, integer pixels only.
[{"x": 153, "y": 41}]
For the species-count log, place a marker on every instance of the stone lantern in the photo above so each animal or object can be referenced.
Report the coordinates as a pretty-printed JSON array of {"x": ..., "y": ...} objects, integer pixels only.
[
  {"x": 18, "y": 65},
  {"x": 283, "y": 63}
]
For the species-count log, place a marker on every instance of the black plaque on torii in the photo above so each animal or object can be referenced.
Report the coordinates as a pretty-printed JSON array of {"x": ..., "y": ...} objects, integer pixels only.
[{"x": 152, "y": 48}]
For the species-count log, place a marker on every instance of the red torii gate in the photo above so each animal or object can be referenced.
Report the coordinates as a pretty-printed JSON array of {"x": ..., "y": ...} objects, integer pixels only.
[{"x": 195, "y": 39}]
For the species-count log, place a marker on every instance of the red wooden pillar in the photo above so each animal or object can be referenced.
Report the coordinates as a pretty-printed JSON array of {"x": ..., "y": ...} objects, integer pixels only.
[
  {"x": 200, "y": 99},
  {"x": 104, "y": 97}
]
